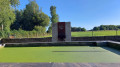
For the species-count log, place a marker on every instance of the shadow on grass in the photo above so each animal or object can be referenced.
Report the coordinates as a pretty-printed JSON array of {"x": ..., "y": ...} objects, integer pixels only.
[{"x": 112, "y": 50}]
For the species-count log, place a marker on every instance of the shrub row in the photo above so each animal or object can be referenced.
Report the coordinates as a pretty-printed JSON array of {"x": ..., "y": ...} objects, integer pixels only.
[{"x": 24, "y": 34}]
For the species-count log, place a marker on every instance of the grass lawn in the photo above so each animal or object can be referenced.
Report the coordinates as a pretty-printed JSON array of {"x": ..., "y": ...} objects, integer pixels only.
[
  {"x": 57, "y": 54},
  {"x": 95, "y": 33}
]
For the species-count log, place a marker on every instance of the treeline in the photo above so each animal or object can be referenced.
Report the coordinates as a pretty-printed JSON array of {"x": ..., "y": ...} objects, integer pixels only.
[
  {"x": 98, "y": 28},
  {"x": 33, "y": 18},
  {"x": 77, "y": 29},
  {"x": 30, "y": 20},
  {"x": 106, "y": 27}
]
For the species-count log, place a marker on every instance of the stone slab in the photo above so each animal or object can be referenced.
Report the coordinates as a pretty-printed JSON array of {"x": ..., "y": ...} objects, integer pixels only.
[{"x": 59, "y": 64}]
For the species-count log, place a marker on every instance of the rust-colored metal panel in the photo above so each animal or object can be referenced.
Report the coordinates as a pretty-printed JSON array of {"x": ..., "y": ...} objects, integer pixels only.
[{"x": 61, "y": 31}]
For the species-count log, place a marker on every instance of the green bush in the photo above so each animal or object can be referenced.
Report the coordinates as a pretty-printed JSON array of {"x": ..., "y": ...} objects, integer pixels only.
[
  {"x": 3, "y": 34},
  {"x": 37, "y": 33}
]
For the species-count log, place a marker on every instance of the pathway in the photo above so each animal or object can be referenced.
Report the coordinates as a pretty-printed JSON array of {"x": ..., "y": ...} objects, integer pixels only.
[{"x": 59, "y": 64}]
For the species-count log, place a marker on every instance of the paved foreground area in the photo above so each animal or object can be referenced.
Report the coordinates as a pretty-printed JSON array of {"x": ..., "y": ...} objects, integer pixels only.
[{"x": 59, "y": 64}]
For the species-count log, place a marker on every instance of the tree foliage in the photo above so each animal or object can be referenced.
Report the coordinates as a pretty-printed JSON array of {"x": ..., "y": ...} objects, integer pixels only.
[
  {"x": 77, "y": 29},
  {"x": 31, "y": 10},
  {"x": 18, "y": 22},
  {"x": 30, "y": 18},
  {"x": 14, "y": 3},
  {"x": 107, "y": 27},
  {"x": 40, "y": 29},
  {"x": 54, "y": 17},
  {"x": 7, "y": 15}
]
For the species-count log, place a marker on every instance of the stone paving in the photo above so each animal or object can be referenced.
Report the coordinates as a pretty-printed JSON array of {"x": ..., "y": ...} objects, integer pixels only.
[{"x": 59, "y": 64}]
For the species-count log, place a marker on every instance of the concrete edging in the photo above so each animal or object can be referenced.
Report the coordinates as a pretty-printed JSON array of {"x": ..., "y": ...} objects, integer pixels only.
[{"x": 59, "y": 64}]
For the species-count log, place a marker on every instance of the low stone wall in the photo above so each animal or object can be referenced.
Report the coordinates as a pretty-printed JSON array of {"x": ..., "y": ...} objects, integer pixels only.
[
  {"x": 115, "y": 45},
  {"x": 97, "y": 38},
  {"x": 25, "y": 40},
  {"x": 52, "y": 44},
  {"x": 49, "y": 39}
]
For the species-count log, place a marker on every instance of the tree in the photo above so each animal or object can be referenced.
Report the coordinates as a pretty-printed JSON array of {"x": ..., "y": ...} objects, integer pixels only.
[
  {"x": 49, "y": 29},
  {"x": 18, "y": 22},
  {"x": 54, "y": 17},
  {"x": 96, "y": 28},
  {"x": 32, "y": 17},
  {"x": 31, "y": 9},
  {"x": 107, "y": 27},
  {"x": 7, "y": 15},
  {"x": 83, "y": 29},
  {"x": 14, "y": 3},
  {"x": 77, "y": 29},
  {"x": 41, "y": 19}
]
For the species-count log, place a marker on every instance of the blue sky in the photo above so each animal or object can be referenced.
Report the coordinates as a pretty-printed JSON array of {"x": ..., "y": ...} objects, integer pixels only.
[{"x": 82, "y": 13}]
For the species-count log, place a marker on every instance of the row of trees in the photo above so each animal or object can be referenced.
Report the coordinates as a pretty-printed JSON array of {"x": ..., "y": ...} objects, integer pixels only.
[
  {"x": 101, "y": 27},
  {"x": 32, "y": 18},
  {"x": 29, "y": 19},
  {"x": 77, "y": 29},
  {"x": 107, "y": 27}
]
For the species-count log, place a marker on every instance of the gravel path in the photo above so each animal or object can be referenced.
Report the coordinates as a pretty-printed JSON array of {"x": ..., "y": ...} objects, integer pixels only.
[{"x": 59, "y": 64}]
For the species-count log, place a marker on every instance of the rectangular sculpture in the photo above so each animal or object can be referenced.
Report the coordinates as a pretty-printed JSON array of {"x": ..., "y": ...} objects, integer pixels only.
[{"x": 61, "y": 32}]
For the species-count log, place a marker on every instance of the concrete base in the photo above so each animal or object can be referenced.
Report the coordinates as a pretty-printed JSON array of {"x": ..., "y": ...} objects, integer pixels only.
[{"x": 1, "y": 46}]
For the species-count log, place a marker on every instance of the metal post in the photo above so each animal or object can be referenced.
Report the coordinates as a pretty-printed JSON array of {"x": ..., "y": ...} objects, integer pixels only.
[
  {"x": 116, "y": 32},
  {"x": 92, "y": 33}
]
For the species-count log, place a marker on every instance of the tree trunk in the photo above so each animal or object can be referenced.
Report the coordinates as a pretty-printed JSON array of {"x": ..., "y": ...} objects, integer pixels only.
[{"x": 2, "y": 27}]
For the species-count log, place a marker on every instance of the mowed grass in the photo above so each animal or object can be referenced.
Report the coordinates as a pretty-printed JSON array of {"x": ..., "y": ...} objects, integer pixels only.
[
  {"x": 95, "y": 33},
  {"x": 57, "y": 54}
]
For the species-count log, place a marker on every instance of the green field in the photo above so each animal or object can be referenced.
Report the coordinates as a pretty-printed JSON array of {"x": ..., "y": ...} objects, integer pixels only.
[
  {"x": 74, "y": 34},
  {"x": 57, "y": 54},
  {"x": 95, "y": 33}
]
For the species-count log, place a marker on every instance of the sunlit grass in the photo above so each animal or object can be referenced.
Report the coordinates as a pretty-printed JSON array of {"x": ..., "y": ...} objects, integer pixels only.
[
  {"x": 57, "y": 54},
  {"x": 95, "y": 33}
]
